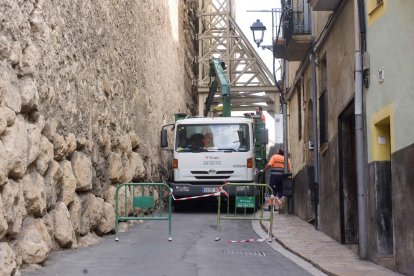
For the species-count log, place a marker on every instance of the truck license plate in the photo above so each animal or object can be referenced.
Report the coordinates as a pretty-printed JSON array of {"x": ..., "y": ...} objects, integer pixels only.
[{"x": 209, "y": 189}]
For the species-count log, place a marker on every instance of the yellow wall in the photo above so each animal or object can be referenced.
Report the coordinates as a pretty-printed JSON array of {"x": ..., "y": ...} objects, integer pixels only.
[
  {"x": 382, "y": 126},
  {"x": 375, "y": 11}
]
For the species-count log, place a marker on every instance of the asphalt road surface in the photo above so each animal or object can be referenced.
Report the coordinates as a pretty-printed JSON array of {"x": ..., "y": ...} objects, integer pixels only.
[{"x": 145, "y": 250}]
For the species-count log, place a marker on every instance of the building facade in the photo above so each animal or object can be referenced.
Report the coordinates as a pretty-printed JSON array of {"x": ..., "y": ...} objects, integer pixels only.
[
  {"x": 390, "y": 136},
  {"x": 322, "y": 60}
]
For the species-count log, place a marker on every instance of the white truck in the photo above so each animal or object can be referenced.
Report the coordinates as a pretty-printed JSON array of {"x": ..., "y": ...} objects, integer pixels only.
[{"x": 210, "y": 151}]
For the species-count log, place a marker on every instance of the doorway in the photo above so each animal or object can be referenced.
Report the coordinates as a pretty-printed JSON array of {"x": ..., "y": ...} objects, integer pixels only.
[{"x": 348, "y": 192}]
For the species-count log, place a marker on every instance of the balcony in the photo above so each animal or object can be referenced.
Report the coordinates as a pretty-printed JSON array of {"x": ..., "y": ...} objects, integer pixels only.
[
  {"x": 324, "y": 5},
  {"x": 279, "y": 47},
  {"x": 296, "y": 31}
]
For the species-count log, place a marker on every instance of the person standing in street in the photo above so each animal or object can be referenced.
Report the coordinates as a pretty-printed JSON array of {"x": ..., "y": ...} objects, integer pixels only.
[{"x": 277, "y": 165}]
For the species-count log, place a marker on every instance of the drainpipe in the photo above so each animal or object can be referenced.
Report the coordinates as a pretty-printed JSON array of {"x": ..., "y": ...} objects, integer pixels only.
[
  {"x": 359, "y": 137},
  {"x": 285, "y": 127},
  {"x": 315, "y": 137}
]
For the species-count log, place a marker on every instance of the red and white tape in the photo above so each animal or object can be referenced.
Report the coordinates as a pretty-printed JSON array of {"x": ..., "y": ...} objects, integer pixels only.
[
  {"x": 220, "y": 191},
  {"x": 246, "y": 241}
]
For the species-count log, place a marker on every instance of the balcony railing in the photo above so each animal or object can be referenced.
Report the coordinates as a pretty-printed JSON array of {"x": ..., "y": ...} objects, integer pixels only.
[
  {"x": 297, "y": 30},
  {"x": 297, "y": 18}
]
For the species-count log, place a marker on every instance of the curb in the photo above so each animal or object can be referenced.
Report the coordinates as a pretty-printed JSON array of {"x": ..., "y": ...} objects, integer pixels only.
[{"x": 298, "y": 254}]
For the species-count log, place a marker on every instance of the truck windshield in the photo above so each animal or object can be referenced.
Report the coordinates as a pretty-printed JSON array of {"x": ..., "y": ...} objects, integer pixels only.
[{"x": 213, "y": 137}]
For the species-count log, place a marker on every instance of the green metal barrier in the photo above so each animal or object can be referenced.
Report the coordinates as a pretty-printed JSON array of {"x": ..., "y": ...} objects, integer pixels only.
[
  {"x": 138, "y": 199},
  {"x": 245, "y": 202}
]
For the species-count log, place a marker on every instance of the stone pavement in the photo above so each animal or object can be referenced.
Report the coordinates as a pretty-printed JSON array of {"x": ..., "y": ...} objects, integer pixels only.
[{"x": 322, "y": 251}]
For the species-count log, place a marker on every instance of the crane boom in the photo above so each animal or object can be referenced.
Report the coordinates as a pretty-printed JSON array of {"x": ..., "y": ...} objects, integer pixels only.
[{"x": 218, "y": 75}]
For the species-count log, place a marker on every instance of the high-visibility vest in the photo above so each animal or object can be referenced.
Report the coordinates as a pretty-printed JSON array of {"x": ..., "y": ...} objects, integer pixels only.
[{"x": 278, "y": 162}]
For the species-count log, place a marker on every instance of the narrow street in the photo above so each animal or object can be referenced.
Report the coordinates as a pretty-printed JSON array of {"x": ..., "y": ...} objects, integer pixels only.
[
  {"x": 144, "y": 250},
  {"x": 112, "y": 110}
]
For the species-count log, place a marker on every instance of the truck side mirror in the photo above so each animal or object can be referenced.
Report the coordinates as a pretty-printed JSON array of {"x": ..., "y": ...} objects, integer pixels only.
[
  {"x": 264, "y": 136},
  {"x": 164, "y": 138}
]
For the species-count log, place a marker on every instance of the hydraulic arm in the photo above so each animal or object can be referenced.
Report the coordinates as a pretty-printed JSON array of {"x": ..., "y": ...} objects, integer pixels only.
[{"x": 218, "y": 75}]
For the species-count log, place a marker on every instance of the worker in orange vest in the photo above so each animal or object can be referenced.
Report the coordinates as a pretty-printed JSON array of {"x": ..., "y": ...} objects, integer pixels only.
[{"x": 277, "y": 165}]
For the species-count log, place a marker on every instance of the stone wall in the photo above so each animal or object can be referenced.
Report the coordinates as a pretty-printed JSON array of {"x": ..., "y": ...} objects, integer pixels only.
[{"x": 84, "y": 88}]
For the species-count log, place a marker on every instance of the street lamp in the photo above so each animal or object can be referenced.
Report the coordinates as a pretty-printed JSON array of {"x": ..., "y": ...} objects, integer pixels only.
[
  {"x": 258, "y": 33},
  {"x": 258, "y": 30}
]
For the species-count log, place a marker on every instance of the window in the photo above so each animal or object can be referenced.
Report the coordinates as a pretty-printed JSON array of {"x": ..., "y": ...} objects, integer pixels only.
[{"x": 213, "y": 137}]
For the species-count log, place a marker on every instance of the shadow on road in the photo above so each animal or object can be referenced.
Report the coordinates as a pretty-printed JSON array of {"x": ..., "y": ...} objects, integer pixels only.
[{"x": 196, "y": 206}]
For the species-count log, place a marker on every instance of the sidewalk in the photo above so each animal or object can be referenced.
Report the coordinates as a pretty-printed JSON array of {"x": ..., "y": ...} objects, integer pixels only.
[{"x": 323, "y": 252}]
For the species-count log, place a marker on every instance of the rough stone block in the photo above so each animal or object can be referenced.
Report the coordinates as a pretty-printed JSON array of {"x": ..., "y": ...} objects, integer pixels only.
[
  {"x": 82, "y": 169},
  {"x": 49, "y": 223},
  {"x": 46, "y": 154},
  {"x": 33, "y": 142},
  {"x": 33, "y": 190},
  {"x": 115, "y": 167},
  {"x": 29, "y": 95},
  {"x": 64, "y": 232},
  {"x": 9, "y": 92},
  {"x": 68, "y": 183},
  {"x": 8, "y": 114},
  {"x": 30, "y": 59},
  {"x": 75, "y": 211},
  {"x": 50, "y": 129},
  {"x": 59, "y": 146},
  {"x": 89, "y": 240},
  {"x": 110, "y": 195},
  {"x": 8, "y": 263},
  {"x": 125, "y": 143},
  {"x": 14, "y": 206},
  {"x": 16, "y": 53},
  {"x": 138, "y": 163},
  {"x": 53, "y": 184},
  {"x": 81, "y": 141},
  {"x": 16, "y": 146},
  {"x": 128, "y": 173},
  {"x": 36, "y": 21},
  {"x": 71, "y": 144},
  {"x": 34, "y": 243},
  {"x": 135, "y": 140},
  {"x": 107, "y": 224},
  {"x": 92, "y": 212}
]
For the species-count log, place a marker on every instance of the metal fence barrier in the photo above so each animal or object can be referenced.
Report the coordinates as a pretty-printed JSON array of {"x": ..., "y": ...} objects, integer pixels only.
[
  {"x": 134, "y": 200},
  {"x": 245, "y": 202}
]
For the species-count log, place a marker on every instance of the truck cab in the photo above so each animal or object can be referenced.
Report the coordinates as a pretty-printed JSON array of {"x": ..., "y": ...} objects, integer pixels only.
[{"x": 210, "y": 151}]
